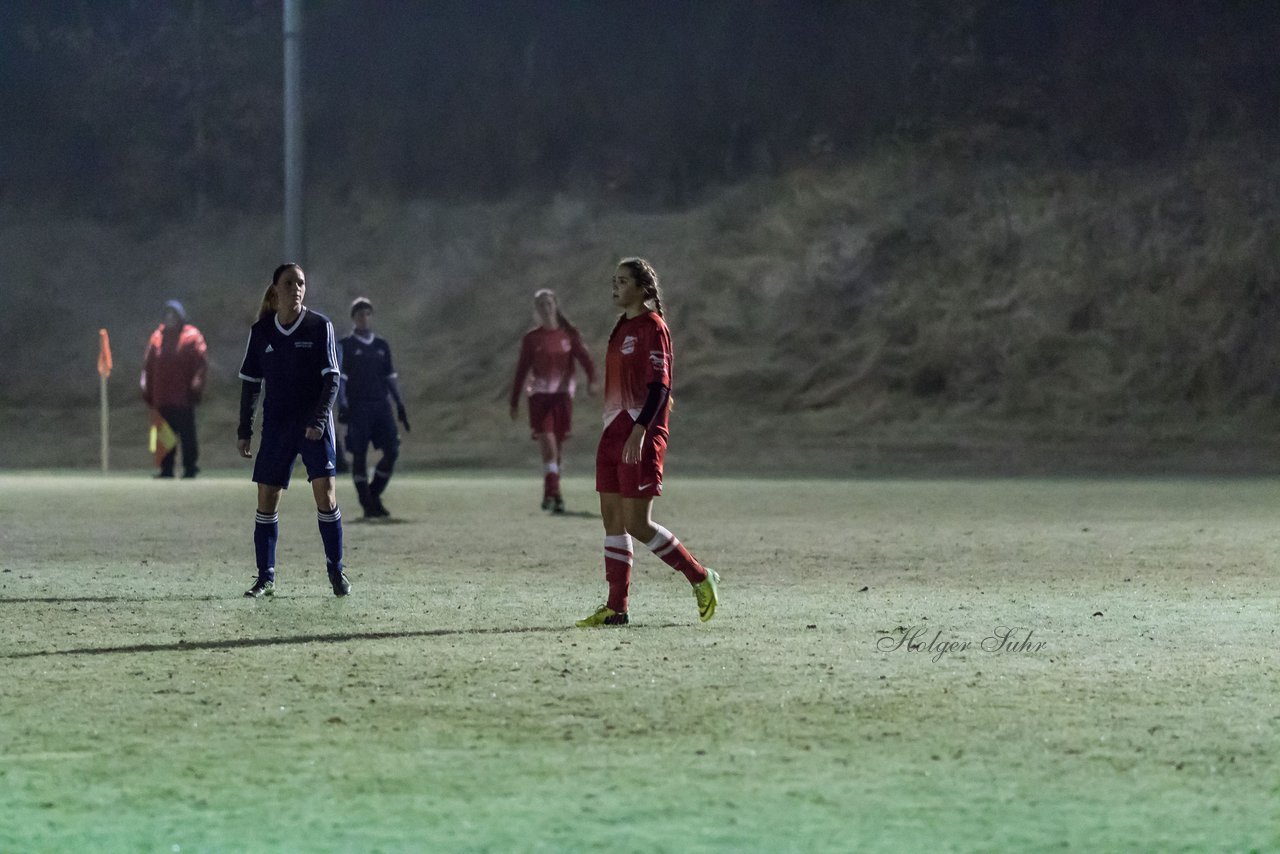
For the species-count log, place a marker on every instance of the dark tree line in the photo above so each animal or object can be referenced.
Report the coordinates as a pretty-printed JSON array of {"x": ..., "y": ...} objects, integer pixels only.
[{"x": 169, "y": 108}]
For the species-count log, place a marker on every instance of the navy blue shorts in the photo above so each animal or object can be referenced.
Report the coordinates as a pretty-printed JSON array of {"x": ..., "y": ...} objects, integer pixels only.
[
  {"x": 282, "y": 442},
  {"x": 371, "y": 422}
]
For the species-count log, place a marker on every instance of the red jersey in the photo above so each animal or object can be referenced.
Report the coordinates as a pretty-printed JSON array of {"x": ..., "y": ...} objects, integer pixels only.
[
  {"x": 546, "y": 360},
  {"x": 174, "y": 367},
  {"x": 639, "y": 353}
]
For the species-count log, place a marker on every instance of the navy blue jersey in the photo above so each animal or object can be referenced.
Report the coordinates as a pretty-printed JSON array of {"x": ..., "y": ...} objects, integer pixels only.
[
  {"x": 366, "y": 368},
  {"x": 293, "y": 362}
]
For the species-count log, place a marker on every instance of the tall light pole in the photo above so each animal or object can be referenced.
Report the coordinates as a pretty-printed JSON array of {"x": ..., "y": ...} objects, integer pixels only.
[{"x": 295, "y": 237}]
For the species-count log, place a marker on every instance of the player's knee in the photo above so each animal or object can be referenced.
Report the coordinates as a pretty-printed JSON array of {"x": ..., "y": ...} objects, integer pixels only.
[
  {"x": 639, "y": 528},
  {"x": 640, "y": 533},
  {"x": 268, "y": 499}
]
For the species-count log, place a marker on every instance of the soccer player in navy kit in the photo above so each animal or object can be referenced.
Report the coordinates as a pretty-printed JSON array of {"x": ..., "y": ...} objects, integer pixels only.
[
  {"x": 637, "y": 400},
  {"x": 368, "y": 380},
  {"x": 292, "y": 349}
]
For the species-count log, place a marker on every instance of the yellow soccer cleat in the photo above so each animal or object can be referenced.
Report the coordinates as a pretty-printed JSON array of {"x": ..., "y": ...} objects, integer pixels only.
[
  {"x": 604, "y": 616},
  {"x": 705, "y": 593}
]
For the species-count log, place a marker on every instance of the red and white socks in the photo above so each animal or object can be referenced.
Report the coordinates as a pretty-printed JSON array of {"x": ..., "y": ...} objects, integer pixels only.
[
  {"x": 673, "y": 553},
  {"x": 619, "y": 556},
  {"x": 617, "y": 570},
  {"x": 551, "y": 481}
]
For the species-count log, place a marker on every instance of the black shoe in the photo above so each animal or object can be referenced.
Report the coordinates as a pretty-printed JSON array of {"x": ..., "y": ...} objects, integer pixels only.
[
  {"x": 190, "y": 473},
  {"x": 558, "y": 505},
  {"x": 546, "y": 502},
  {"x": 261, "y": 587},
  {"x": 164, "y": 475},
  {"x": 375, "y": 509},
  {"x": 338, "y": 578}
]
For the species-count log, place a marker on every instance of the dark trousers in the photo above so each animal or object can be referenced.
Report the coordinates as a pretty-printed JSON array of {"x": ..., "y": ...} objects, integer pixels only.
[{"x": 183, "y": 421}]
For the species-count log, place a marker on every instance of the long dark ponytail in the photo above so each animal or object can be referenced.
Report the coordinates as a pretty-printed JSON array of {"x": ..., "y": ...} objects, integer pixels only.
[
  {"x": 267, "y": 306},
  {"x": 647, "y": 278}
]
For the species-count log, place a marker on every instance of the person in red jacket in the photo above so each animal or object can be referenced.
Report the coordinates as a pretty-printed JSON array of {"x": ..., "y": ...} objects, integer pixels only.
[
  {"x": 173, "y": 376},
  {"x": 545, "y": 372},
  {"x": 638, "y": 371}
]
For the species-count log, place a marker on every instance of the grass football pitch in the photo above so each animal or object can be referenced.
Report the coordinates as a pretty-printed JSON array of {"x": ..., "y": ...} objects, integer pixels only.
[{"x": 969, "y": 665}]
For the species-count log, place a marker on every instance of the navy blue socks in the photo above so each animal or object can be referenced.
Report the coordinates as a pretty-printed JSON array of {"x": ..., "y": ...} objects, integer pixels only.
[
  {"x": 331, "y": 532},
  {"x": 266, "y": 530}
]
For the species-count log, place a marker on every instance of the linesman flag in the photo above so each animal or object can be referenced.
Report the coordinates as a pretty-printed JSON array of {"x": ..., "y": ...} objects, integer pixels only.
[
  {"x": 104, "y": 354},
  {"x": 163, "y": 439}
]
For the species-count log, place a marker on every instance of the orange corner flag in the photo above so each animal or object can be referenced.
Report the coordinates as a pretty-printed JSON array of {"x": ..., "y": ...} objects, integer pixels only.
[{"x": 104, "y": 354}]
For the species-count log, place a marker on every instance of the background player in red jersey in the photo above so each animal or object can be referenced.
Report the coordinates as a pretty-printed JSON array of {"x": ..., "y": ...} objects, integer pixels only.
[
  {"x": 173, "y": 377},
  {"x": 637, "y": 401},
  {"x": 547, "y": 354}
]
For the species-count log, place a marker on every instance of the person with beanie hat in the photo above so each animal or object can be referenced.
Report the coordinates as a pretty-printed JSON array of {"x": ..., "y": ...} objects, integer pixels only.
[{"x": 174, "y": 369}]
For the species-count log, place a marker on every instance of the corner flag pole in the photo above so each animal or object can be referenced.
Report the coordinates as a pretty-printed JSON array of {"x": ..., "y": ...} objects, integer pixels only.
[
  {"x": 104, "y": 371},
  {"x": 295, "y": 239}
]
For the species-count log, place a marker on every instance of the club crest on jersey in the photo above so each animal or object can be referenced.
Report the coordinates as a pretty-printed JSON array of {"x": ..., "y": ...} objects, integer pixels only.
[
  {"x": 564, "y": 346},
  {"x": 628, "y": 345}
]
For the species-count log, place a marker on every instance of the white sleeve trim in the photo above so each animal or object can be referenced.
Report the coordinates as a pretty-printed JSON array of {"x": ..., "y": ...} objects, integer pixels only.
[{"x": 333, "y": 351}]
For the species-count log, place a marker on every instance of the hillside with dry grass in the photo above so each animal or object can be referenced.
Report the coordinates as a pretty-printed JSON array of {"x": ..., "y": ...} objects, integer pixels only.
[{"x": 936, "y": 308}]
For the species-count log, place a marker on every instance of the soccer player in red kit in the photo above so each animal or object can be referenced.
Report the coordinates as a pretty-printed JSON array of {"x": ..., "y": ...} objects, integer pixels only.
[
  {"x": 545, "y": 371},
  {"x": 637, "y": 401}
]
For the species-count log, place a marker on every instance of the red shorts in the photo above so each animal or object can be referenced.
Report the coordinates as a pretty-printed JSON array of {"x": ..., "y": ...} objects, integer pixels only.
[
  {"x": 633, "y": 480},
  {"x": 551, "y": 413}
]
